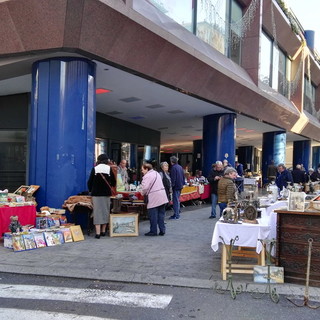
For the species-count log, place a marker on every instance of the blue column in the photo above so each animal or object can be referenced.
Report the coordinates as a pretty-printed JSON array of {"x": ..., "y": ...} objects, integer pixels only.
[
  {"x": 62, "y": 128},
  {"x": 246, "y": 157},
  {"x": 218, "y": 139},
  {"x": 315, "y": 157},
  {"x": 197, "y": 155},
  {"x": 133, "y": 156},
  {"x": 301, "y": 153},
  {"x": 273, "y": 148}
]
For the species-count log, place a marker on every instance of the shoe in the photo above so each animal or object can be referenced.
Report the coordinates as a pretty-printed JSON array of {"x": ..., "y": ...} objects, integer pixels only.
[
  {"x": 177, "y": 218},
  {"x": 150, "y": 234},
  {"x": 103, "y": 234},
  {"x": 212, "y": 217},
  {"x": 161, "y": 233},
  {"x": 172, "y": 218},
  {"x": 97, "y": 236}
]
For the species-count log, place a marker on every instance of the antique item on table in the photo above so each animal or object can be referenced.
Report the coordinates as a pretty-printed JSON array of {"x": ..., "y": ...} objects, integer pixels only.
[
  {"x": 296, "y": 201},
  {"x": 124, "y": 225},
  {"x": 273, "y": 192},
  {"x": 314, "y": 204},
  {"x": 32, "y": 189},
  {"x": 250, "y": 214},
  {"x": 15, "y": 225},
  {"x": 231, "y": 213},
  {"x": 4, "y": 195}
]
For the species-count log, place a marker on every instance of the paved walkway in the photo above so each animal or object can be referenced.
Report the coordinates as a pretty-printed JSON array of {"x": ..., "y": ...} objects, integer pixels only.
[{"x": 183, "y": 257}]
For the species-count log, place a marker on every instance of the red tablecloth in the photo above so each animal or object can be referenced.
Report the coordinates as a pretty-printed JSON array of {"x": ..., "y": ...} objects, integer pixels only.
[
  {"x": 127, "y": 193},
  {"x": 26, "y": 214},
  {"x": 189, "y": 193},
  {"x": 207, "y": 192}
]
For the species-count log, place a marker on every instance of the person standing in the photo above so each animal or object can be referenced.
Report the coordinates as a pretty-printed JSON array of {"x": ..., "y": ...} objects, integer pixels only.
[
  {"x": 214, "y": 176},
  {"x": 239, "y": 168},
  {"x": 298, "y": 175},
  {"x": 100, "y": 181},
  {"x": 123, "y": 172},
  {"x": 315, "y": 176},
  {"x": 284, "y": 178},
  {"x": 152, "y": 186},
  {"x": 177, "y": 181},
  {"x": 166, "y": 180},
  {"x": 227, "y": 189}
]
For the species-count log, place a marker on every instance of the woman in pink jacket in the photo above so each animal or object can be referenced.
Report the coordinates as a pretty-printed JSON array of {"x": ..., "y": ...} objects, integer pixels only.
[{"x": 157, "y": 199}]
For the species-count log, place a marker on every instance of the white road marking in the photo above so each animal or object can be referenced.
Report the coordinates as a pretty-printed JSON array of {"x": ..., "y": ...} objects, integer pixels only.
[
  {"x": 22, "y": 314},
  {"x": 127, "y": 299}
]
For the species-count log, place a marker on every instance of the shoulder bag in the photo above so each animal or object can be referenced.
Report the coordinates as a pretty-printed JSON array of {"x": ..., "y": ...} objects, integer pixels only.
[
  {"x": 146, "y": 198},
  {"x": 113, "y": 191}
]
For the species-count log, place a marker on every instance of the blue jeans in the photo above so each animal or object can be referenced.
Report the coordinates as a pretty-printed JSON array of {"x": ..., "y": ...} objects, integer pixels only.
[
  {"x": 176, "y": 202},
  {"x": 214, "y": 200},
  {"x": 222, "y": 206},
  {"x": 156, "y": 216}
]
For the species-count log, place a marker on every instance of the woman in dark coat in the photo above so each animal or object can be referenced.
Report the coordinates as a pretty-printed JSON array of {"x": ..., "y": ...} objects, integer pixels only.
[
  {"x": 99, "y": 184},
  {"x": 165, "y": 176}
]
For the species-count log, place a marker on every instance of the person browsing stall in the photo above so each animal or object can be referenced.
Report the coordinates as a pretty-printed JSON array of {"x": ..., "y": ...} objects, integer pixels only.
[
  {"x": 100, "y": 181},
  {"x": 284, "y": 178},
  {"x": 214, "y": 176},
  {"x": 166, "y": 180},
  {"x": 227, "y": 190},
  {"x": 152, "y": 186}
]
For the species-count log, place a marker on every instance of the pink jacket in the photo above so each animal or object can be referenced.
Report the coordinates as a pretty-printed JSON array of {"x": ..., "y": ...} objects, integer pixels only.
[{"x": 157, "y": 194}]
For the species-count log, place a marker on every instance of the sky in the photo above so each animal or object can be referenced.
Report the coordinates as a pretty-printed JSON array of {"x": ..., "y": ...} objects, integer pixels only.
[{"x": 308, "y": 13}]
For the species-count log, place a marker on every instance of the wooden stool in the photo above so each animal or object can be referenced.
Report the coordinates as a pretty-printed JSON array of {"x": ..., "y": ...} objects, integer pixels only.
[{"x": 245, "y": 252}]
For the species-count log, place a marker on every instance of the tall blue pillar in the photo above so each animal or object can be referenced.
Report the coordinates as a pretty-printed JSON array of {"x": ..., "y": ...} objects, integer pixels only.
[
  {"x": 301, "y": 153},
  {"x": 315, "y": 157},
  {"x": 218, "y": 139},
  {"x": 62, "y": 128},
  {"x": 246, "y": 157},
  {"x": 273, "y": 148}
]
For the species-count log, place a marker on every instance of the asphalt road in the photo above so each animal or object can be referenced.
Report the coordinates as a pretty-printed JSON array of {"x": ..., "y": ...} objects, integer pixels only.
[{"x": 37, "y": 297}]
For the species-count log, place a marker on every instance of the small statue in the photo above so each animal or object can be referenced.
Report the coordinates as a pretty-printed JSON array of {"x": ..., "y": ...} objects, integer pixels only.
[{"x": 15, "y": 225}]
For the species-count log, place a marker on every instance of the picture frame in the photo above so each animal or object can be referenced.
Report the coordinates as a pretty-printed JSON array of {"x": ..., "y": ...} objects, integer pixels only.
[
  {"x": 22, "y": 190},
  {"x": 124, "y": 225},
  {"x": 32, "y": 189},
  {"x": 296, "y": 201}
]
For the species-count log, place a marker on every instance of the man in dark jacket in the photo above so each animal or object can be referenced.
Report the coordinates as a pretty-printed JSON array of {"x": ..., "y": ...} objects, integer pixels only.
[
  {"x": 298, "y": 175},
  {"x": 214, "y": 176},
  {"x": 177, "y": 182},
  {"x": 284, "y": 178}
]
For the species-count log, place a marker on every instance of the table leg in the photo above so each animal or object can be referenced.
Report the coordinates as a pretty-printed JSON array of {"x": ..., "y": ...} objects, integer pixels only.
[{"x": 224, "y": 262}]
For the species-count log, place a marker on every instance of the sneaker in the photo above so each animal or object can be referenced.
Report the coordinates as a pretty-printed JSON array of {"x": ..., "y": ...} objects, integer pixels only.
[
  {"x": 212, "y": 217},
  {"x": 161, "y": 233},
  {"x": 177, "y": 218},
  {"x": 150, "y": 234},
  {"x": 172, "y": 218}
]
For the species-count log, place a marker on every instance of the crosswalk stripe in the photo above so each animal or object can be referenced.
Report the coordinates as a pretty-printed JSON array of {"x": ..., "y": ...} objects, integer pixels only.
[
  {"x": 22, "y": 314},
  {"x": 128, "y": 299}
]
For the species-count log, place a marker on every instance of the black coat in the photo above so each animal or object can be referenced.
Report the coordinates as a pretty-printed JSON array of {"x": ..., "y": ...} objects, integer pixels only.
[
  {"x": 214, "y": 183},
  {"x": 98, "y": 187}
]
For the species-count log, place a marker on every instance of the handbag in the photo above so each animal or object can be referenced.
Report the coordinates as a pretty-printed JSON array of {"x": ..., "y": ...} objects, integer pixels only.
[
  {"x": 113, "y": 191},
  {"x": 146, "y": 196}
]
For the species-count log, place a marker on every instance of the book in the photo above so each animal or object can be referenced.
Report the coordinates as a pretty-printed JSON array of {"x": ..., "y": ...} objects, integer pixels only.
[
  {"x": 29, "y": 241},
  {"x": 18, "y": 243},
  {"x": 56, "y": 238},
  {"x": 41, "y": 222},
  {"x": 7, "y": 240},
  {"x": 66, "y": 235},
  {"x": 49, "y": 238},
  {"x": 39, "y": 239},
  {"x": 56, "y": 220},
  {"x": 76, "y": 233},
  {"x": 63, "y": 220},
  {"x": 60, "y": 236}
]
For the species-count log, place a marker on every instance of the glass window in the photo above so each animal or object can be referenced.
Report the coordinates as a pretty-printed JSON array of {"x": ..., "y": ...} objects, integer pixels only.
[
  {"x": 13, "y": 154},
  {"x": 180, "y": 11},
  {"x": 211, "y": 23},
  {"x": 309, "y": 97},
  {"x": 235, "y": 33},
  {"x": 282, "y": 74},
  {"x": 265, "y": 59}
]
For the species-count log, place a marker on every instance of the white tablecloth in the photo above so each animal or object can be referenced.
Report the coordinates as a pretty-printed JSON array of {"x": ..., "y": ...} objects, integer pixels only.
[
  {"x": 248, "y": 234},
  {"x": 249, "y": 181}
]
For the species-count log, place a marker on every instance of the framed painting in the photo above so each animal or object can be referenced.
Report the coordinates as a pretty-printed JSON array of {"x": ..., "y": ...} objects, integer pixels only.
[
  {"x": 124, "y": 225},
  {"x": 21, "y": 190},
  {"x": 296, "y": 201},
  {"x": 32, "y": 189}
]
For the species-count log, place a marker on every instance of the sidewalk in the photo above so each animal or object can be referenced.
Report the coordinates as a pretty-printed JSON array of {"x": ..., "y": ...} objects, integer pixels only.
[{"x": 183, "y": 257}]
